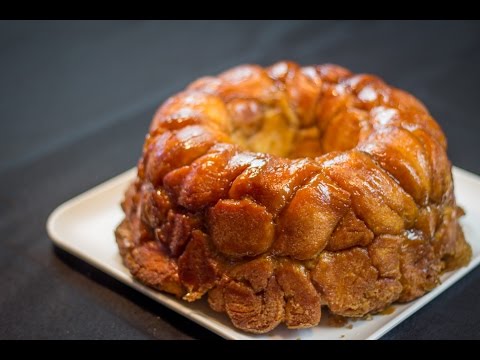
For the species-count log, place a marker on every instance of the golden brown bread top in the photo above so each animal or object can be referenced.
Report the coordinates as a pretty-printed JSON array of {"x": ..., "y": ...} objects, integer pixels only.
[
  {"x": 290, "y": 111},
  {"x": 280, "y": 189}
]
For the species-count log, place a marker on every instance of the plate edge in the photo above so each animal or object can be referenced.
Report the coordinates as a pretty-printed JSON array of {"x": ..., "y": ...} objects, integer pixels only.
[{"x": 115, "y": 181}]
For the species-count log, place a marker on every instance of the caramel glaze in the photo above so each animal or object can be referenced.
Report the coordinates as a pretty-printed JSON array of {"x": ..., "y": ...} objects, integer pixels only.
[{"x": 276, "y": 191}]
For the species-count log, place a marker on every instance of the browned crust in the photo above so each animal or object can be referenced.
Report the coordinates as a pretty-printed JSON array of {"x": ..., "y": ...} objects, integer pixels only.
[{"x": 366, "y": 219}]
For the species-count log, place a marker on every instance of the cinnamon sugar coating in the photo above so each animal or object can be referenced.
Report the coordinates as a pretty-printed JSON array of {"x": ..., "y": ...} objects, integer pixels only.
[{"x": 275, "y": 191}]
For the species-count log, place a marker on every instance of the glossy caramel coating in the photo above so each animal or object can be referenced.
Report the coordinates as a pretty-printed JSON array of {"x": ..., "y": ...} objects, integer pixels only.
[{"x": 276, "y": 191}]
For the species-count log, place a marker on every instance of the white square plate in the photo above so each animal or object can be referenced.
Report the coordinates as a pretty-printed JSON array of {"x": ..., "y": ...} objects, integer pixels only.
[{"x": 84, "y": 227}]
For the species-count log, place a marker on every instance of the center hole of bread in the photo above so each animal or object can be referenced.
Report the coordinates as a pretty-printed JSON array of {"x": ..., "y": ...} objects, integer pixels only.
[{"x": 281, "y": 134}]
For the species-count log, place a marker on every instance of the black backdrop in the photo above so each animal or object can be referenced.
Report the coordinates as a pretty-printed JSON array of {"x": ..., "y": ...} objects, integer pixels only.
[{"x": 75, "y": 102}]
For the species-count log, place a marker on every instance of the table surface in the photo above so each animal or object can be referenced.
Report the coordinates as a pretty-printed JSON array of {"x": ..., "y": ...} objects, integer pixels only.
[{"x": 76, "y": 99}]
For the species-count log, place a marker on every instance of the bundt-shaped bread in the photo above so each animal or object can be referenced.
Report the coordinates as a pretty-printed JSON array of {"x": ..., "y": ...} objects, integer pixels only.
[{"x": 276, "y": 191}]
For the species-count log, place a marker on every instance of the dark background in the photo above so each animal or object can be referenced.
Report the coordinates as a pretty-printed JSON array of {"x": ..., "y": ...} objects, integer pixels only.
[{"x": 75, "y": 102}]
